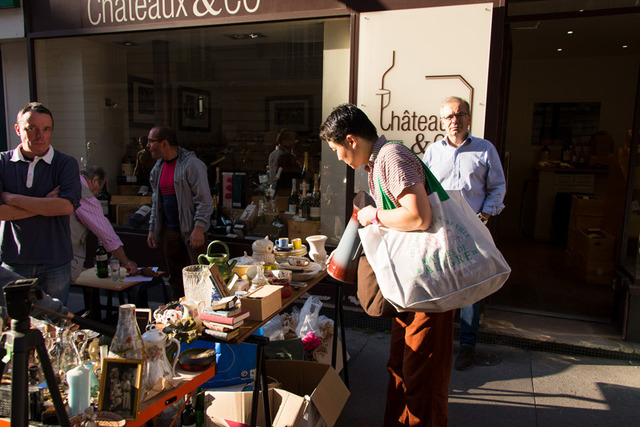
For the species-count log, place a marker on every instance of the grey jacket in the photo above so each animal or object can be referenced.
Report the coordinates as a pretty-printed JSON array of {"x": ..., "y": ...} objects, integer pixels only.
[{"x": 195, "y": 204}]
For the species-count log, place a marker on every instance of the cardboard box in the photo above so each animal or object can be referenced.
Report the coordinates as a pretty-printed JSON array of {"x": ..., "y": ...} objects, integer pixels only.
[
  {"x": 594, "y": 244},
  {"x": 596, "y": 272},
  {"x": 587, "y": 205},
  {"x": 300, "y": 382},
  {"x": 302, "y": 229},
  {"x": 585, "y": 222},
  {"x": 263, "y": 302}
]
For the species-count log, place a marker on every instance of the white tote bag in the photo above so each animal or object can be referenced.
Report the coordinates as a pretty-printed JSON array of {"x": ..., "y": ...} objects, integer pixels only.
[{"x": 451, "y": 265}]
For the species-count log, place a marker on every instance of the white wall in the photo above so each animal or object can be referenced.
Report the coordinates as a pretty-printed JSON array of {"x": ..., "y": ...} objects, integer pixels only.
[
  {"x": 611, "y": 81},
  {"x": 11, "y": 23},
  {"x": 15, "y": 79}
]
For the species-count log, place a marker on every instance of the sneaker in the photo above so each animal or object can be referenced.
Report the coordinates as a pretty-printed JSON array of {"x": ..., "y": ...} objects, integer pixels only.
[{"x": 465, "y": 358}]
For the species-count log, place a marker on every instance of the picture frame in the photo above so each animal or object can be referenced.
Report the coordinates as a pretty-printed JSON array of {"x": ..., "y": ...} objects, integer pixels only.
[
  {"x": 289, "y": 112},
  {"x": 120, "y": 387},
  {"x": 141, "y": 102},
  {"x": 194, "y": 109}
]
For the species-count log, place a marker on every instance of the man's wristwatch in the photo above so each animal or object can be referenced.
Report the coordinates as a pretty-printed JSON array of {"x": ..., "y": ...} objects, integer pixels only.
[{"x": 374, "y": 220}]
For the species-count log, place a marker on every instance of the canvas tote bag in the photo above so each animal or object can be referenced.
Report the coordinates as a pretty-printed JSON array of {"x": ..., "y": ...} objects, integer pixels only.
[{"x": 452, "y": 264}]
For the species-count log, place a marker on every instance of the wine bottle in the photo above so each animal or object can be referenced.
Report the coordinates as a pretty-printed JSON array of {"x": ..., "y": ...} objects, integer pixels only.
[
  {"x": 314, "y": 203},
  {"x": 200, "y": 408},
  {"x": 188, "y": 416},
  {"x": 102, "y": 261},
  {"x": 105, "y": 200},
  {"x": 305, "y": 175},
  {"x": 294, "y": 200}
]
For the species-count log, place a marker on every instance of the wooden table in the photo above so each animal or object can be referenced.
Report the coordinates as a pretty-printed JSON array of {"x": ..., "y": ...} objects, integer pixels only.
[
  {"x": 134, "y": 286},
  {"x": 248, "y": 328}
]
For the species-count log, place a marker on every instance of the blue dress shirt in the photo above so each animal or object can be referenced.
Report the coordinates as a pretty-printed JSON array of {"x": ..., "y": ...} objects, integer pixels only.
[{"x": 474, "y": 168}]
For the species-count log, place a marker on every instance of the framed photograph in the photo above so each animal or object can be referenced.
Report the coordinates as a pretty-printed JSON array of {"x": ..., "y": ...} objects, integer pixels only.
[
  {"x": 293, "y": 113},
  {"x": 194, "y": 109},
  {"x": 141, "y": 102},
  {"x": 120, "y": 387}
]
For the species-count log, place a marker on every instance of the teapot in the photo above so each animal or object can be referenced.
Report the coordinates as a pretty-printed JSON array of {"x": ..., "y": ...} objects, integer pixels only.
[
  {"x": 157, "y": 363},
  {"x": 219, "y": 259}
]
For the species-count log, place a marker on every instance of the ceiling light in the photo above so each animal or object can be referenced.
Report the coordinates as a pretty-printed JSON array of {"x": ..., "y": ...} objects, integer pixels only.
[
  {"x": 624, "y": 46},
  {"x": 126, "y": 43},
  {"x": 559, "y": 49},
  {"x": 245, "y": 36},
  {"x": 570, "y": 32}
]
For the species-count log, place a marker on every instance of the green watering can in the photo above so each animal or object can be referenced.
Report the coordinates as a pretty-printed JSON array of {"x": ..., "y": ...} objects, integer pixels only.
[{"x": 221, "y": 260}]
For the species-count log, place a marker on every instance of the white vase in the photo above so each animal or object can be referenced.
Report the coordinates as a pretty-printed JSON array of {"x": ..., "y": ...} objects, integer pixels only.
[{"x": 317, "y": 251}]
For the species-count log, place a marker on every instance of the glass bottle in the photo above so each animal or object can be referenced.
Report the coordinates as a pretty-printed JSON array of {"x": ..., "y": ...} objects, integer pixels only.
[
  {"x": 314, "y": 202},
  {"x": 127, "y": 342},
  {"x": 105, "y": 201},
  {"x": 294, "y": 199},
  {"x": 188, "y": 417},
  {"x": 102, "y": 261},
  {"x": 215, "y": 194},
  {"x": 305, "y": 175}
]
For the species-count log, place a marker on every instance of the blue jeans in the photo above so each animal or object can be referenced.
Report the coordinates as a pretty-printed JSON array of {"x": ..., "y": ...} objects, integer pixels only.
[
  {"x": 54, "y": 280},
  {"x": 469, "y": 325},
  {"x": 7, "y": 276}
]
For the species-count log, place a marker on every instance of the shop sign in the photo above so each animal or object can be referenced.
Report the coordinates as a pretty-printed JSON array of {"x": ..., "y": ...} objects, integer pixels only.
[
  {"x": 62, "y": 16},
  {"x": 410, "y": 60}
]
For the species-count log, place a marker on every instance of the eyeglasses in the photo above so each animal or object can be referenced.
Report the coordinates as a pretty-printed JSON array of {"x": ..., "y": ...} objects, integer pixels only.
[
  {"x": 458, "y": 116},
  {"x": 153, "y": 140}
]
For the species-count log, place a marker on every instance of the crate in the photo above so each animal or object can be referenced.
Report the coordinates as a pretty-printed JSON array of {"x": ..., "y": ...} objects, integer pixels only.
[
  {"x": 596, "y": 272},
  {"x": 596, "y": 245},
  {"x": 303, "y": 229},
  {"x": 587, "y": 205},
  {"x": 125, "y": 206}
]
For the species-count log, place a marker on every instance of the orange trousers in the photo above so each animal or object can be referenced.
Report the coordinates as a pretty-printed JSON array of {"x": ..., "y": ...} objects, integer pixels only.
[{"x": 419, "y": 368}]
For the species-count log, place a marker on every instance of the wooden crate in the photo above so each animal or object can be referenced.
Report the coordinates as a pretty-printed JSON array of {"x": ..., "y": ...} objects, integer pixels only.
[{"x": 303, "y": 229}]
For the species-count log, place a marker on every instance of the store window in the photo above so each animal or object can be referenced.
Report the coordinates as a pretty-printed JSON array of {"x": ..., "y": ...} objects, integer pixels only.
[{"x": 228, "y": 91}]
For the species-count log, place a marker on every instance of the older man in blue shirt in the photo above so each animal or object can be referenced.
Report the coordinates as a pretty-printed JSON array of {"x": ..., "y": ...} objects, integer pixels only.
[{"x": 471, "y": 165}]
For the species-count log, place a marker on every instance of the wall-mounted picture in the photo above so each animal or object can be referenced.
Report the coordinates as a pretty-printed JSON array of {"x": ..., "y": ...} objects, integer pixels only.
[
  {"x": 120, "y": 383},
  {"x": 290, "y": 112},
  {"x": 141, "y": 102},
  {"x": 195, "y": 109}
]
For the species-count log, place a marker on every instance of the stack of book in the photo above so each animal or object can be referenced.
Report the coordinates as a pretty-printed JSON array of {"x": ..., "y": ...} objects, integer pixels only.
[{"x": 223, "y": 324}]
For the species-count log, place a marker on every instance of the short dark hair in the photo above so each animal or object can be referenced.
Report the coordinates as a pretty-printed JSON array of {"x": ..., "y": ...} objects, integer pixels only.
[
  {"x": 93, "y": 171},
  {"x": 165, "y": 132},
  {"x": 35, "y": 107},
  {"x": 347, "y": 119}
]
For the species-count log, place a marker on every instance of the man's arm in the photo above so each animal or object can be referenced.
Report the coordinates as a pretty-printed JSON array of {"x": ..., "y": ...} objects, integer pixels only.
[
  {"x": 202, "y": 200},
  {"x": 496, "y": 185},
  {"x": 45, "y": 206},
  {"x": 11, "y": 213},
  {"x": 414, "y": 212}
]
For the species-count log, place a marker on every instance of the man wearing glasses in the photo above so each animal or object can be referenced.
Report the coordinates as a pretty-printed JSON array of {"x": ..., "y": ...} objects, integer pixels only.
[
  {"x": 181, "y": 204},
  {"x": 471, "y": 165}
]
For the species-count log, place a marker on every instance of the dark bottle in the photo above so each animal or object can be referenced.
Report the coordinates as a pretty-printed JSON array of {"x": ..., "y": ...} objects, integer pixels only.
[
  {"x": 294, "y": 199},
  {"x": 314, "y": 202},
  {"x": 200, "y": 408},
  {"x": 102, "y": 261},
  {"x": 567, "y": 152},
  {"x": 188, "y": 416},
  {"x": 216, "y": 194},
  {"x": 105, "y": 200},
  {"x": 305, "y": 175}
]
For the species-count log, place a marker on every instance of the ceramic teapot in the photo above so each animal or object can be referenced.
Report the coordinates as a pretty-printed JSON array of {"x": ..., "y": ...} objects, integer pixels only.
[
  {"x": 221, "y": 260},
  {"x": 157, "y": 363}
]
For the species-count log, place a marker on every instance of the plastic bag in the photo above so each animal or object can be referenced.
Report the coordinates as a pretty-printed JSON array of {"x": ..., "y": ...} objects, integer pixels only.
[
  {"x": 273, "y": 329},
  {"x": 309, "y": 316}
]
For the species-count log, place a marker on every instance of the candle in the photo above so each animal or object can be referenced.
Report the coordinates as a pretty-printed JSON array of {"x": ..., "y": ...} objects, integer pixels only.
[{"x": 79, "y": 389}]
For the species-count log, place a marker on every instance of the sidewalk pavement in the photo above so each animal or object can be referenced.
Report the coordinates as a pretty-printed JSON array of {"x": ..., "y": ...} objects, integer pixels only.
[{"x": 527, "y": 388}]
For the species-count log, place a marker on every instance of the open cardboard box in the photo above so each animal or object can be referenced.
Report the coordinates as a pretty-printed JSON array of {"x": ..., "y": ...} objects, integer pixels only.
[{"x": 301, "y": 383}]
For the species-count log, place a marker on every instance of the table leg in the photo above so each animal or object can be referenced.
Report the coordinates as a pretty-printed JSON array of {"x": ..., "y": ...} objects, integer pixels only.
[
  {"x": 260, "y": 382},
  {"x": 338, "y": 323}
]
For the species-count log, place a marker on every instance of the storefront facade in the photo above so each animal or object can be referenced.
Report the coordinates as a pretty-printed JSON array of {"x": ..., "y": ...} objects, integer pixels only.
[{"x": 229, "y": 75}]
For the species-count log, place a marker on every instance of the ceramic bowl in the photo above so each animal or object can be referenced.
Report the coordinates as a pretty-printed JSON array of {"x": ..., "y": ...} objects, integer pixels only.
[{"x": 197, "y": 358}]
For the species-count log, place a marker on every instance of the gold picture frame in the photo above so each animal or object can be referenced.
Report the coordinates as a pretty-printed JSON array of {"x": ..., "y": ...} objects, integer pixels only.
[{"x": 120, "y": 387}]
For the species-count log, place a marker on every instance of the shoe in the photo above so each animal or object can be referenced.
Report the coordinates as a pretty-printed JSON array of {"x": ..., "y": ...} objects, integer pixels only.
[{"x": 465, "y": 358}]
